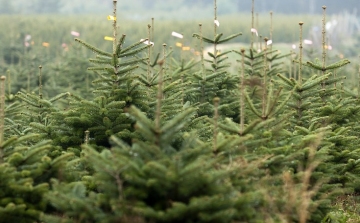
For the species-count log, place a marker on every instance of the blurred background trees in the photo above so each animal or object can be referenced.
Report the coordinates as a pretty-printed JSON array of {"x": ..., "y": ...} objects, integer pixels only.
[{"x": 227, "y": 6}]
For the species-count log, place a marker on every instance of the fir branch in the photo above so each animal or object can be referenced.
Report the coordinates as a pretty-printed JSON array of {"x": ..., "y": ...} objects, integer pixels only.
[
  {"x": 279, "y": 56},
  {"x": 337, "y": 64},
  {"x": 255, "y": 64},
  {"x": 119, "y": 143},
  {"x": 328, "y": 92},
  {"x": 13, "y": 107},
  {"x": 229, "y": 126},
  {"x": 207, "y": 40},
  {"x": 27, "y": 138},
  {"x": 214, "y": 75},
  {"x": 94, "y": 49},
  {"x": 90, "y": 105},
  {"x": 251, "y": 126},
  {"x": 217, "y": 37},
  {"x": 350, "y": 93},
  {"x": 222, "y": 60},
  {"x": 334, "y": 80},
  {"x": 23, "y": 97},
  {"x": 114, "y": 61},
  {"x": 126, "y": 69},
  {"x": 155, "y": 60},
  {"x": 217, "y": 67},
  {"x": 10, "y": 141},
  {"x": 101, "y": 68},
  {"x": 132, "y": 46},
  {"x": 102, "y": 57},
  {"x": 60, "y": 161},
  {"x": 269, "y": 105},
  {"x": 144, "y": 125},
  {"x": 36, "y": 151},
  {"x": 172, "y": 86},
  {"x": 255, "y": 55},
  {"x": 251, "y": 104},
  {"x": 229, "y": 38},
  {"x": 315, "y": 66},
  {"x": 62, "y": 95},
  {"x": 39, "y": 127},
  {"x": 312, "y": 83},
  {"x": 132, "y": 61},
  {"x": 108, "y": 81},
  {"x": 176, "y": 123},
  {"x": 224, "y": 53},
  {"x": 133, "y": 52},
  {"x": 119, "y": 45},
  {"x": 281, "y": 106},
  {"x": 145, "y": 82},
  {"x": 45, "y": 103},
  {"x": 289, "y": 82},
  {"x": 211, "y": 55},
  {"x": 101, "y": 61},
  {"x": 115, "y": 105},
  {"x": 197, "y": 76}
]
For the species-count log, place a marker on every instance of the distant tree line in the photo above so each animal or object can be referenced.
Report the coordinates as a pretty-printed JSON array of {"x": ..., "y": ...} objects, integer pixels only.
[
  {"x": 299, "y": 6},
  {"x": 54, "y": 6},
  {"x": 224, "y": 6},
  {"x": 232, "y": 6}
]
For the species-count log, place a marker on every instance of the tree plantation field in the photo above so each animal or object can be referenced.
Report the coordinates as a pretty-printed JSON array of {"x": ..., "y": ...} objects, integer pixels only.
[
  {"x": 57, "y": 30},
  {"x": 53, "y": 46},
  {"x": 230, "y": 119}
]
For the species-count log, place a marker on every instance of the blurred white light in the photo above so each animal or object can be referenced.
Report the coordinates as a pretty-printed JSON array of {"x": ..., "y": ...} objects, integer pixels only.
[
  {"x": 217, "y": 23},
  {"x": 253, "y": 30},
  {"x": 27, "y": 37},
  {"x": 307, "y": 41},
  {"x": 147, "y": 42},
  {"x": 74, "y": 33},
  {"x": 328, "y": 25},
  {"x": 178, "y": 35}
]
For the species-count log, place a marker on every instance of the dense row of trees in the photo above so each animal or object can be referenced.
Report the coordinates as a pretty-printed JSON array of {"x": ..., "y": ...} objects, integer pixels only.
[
  {"x": 227, "y": 6},
  {"x": 149, "y": 138}
]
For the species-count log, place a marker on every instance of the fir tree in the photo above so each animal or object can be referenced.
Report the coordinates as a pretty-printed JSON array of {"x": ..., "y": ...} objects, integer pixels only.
[
  {"x": 25, "y": 171},
  {"x": 117, "y": 88}
]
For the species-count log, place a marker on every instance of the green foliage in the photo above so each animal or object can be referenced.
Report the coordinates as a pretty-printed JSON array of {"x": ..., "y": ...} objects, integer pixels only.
[
  {"x": 25, "y": 171},
  {"x": 158, "y": 139}
]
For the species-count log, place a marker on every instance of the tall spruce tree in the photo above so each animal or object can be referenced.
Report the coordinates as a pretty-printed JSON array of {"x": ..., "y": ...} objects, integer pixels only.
[{"x": 117, "y": 87}]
